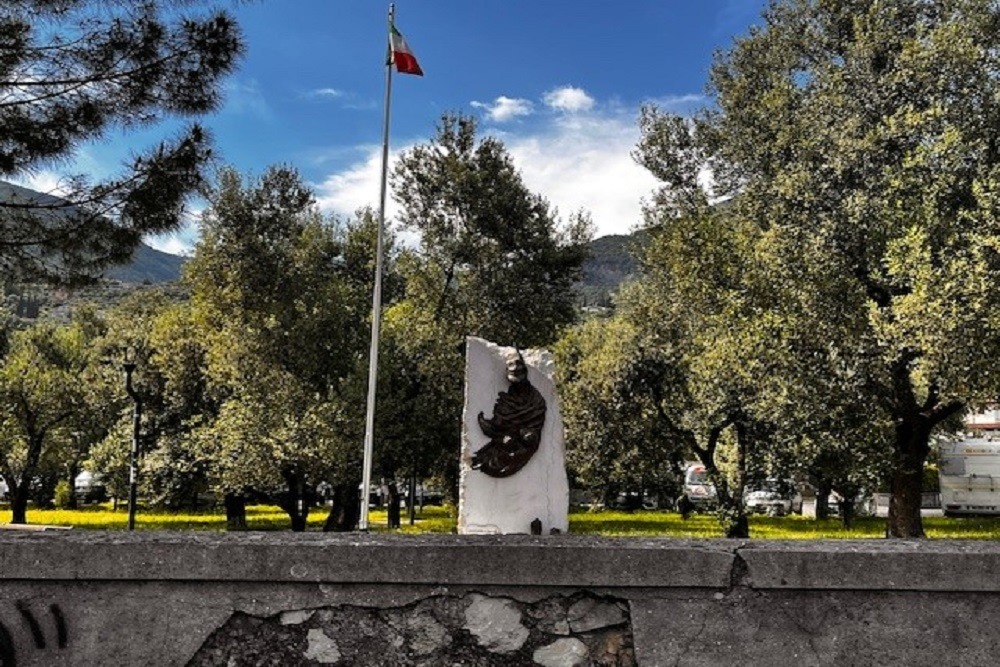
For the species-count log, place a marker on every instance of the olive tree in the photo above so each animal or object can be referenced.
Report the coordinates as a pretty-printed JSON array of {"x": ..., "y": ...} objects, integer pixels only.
[{"x": 858, "y": 138}]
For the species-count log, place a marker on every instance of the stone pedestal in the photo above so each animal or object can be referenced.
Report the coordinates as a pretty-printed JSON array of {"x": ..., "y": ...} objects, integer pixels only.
[{"x": 539, "y": 490}]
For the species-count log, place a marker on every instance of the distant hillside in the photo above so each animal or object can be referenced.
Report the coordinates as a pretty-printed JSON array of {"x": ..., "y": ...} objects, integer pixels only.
[
  {"x": 612, "y": 262},
  {"x": 148, "y": 266}
]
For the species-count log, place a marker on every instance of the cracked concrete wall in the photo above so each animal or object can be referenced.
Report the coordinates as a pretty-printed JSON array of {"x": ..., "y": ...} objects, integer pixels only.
[{"x": 170, "y": 599}]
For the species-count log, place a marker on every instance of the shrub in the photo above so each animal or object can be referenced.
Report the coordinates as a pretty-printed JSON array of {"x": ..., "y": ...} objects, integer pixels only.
[{"x": 63, "y": 494}]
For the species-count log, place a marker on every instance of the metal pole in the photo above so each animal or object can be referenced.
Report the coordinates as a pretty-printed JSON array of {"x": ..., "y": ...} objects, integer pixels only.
[
  {"x": 133, "y": 469},
  {"x": 366, "y": 474}
]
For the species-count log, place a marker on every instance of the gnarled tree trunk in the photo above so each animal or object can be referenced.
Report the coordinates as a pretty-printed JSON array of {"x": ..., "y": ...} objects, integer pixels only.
[
  {"x": 344, "y": 510},
  {"x": 294, "y": 501},
  {"x": 394, "y": 505},
  {"x": 19, "y": 494},
  {"x": 236, "y": 511},
  {"x": 912, "y": 447}
]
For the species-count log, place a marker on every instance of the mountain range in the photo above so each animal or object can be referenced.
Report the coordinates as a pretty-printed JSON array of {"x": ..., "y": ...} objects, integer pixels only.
[
  {"x": 610, "y": 264},
  {"x": 148, "y": 265}
]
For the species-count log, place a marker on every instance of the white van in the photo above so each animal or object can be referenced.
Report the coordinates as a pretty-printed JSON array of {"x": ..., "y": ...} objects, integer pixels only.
[
  {"x": 698, "y": 487},
  {"x": 89, "y": 487},
  {"x": 969, "y": 472}
]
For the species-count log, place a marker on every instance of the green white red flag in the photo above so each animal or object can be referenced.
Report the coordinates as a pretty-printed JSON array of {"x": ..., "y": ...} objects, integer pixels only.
[{"x": 402, "y": 54}]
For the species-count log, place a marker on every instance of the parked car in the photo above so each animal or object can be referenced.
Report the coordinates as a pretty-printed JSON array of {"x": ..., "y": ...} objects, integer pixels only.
[
  {"x": 773, "y": 497},
  {"x": 4, "y": 490},
  {"x": 633, "y": 500}
]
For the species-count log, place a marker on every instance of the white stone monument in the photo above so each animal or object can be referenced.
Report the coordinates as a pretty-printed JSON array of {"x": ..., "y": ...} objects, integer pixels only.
[{"x": 539, "y": 490}]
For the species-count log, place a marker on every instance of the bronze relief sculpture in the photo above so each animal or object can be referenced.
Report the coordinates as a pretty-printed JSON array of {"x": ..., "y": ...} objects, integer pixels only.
[{"x": 515, "y": 430}]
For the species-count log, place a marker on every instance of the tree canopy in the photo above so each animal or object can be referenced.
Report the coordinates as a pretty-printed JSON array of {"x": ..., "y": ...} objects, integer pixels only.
[
  {"x": 70, "y": 72},
  {"x": 493, "y": 261},
  {"x": 856, "y": 141},
  {"x": 280, "y": 297}
]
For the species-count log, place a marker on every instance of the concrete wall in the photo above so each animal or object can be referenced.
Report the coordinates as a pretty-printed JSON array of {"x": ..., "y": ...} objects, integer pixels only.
[{"x": 83, "y": 598}]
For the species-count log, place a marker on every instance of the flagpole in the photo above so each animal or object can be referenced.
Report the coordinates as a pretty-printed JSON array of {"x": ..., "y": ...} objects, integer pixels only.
[{"x": 366, "y": 476}]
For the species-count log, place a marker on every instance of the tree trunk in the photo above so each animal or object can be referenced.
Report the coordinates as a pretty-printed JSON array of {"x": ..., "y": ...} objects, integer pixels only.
[
  {"x": 739, "y": 527},
  {"x": 236, "y": 511},
  {"x": 20, "y": 493},
  {"x": 912, "y": 448},
  {"x": 904, "y": 503},
  {"x": 394, "y": 505},
  {"x": 19, "y": 503},
  {"x": 731, "y": 512},
  {"x": 295, "y": 501},
  {"x": 823, "y": 489},
  {"x": 344, "y": 510},
  {"x": 412, "y": 507},
  {"x": 74, "y": 470},
  {"x": 847, "y": 509}
]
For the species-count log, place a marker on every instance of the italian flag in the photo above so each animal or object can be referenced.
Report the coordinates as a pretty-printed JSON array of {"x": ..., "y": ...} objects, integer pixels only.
[{"x": 402, "y": 55}]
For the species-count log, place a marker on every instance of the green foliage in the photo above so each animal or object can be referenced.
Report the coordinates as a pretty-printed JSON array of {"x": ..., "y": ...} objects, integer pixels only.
[
  {"x": 612, "y": 261},
  {"x": 856, "y": 141},
  {"x": 110, "y": 458},
  {"x": 43, "y": 393},
  {"x": 63, "y": 494},
  {"x": 70, "y": 72},
  {"x": 279, "y": 298},
  {"x": 492, "y": 262},
  {"x": 616, "y": 438}
]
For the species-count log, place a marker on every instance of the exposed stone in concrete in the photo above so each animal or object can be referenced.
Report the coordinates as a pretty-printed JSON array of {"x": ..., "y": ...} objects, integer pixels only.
[
  {"x": 562, "y": 653},
  {"x": 490, "y": 505},
  {"x": 550, "y": 616},
  {"x": 426, "y": 634},
  {"x": 615, "y": 648},
  {"x": 496, "y": 624},
  {"x": 590, "y": 614},
  {"x": 295, "y": 617},
  {"x": 472, "y": 630},
  {"x": 322, "y": 648}
]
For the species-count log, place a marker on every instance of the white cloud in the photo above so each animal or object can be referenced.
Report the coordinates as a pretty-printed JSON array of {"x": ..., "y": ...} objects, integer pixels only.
[
  {"x": 246, "y": 97},
  {"x": 569, "y": 99},
  {"x": 45, "y": 181},
  {"x": 325, "y": 92},
  {"x": 346, "y": 191},
  {"x": 581, "y": 161},
  {"x": 682, "y": 104},
  {"x": 505, "y": 108},
  {"x": 173, "y": 244},
  {"x": 584, "y": 162},
  {"x": 344, "y": 98}
]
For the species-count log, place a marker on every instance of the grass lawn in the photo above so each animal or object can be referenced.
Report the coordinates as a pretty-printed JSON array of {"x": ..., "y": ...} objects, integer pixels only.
[{"x": 437, "y": 520}]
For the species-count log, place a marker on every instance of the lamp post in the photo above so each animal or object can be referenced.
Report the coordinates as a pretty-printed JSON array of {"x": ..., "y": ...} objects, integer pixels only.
[{"x": 133, "y": 472}]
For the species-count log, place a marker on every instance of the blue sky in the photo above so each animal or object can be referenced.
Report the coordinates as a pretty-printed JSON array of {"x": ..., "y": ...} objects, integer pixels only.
[{"x": 560, "y": 82}]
